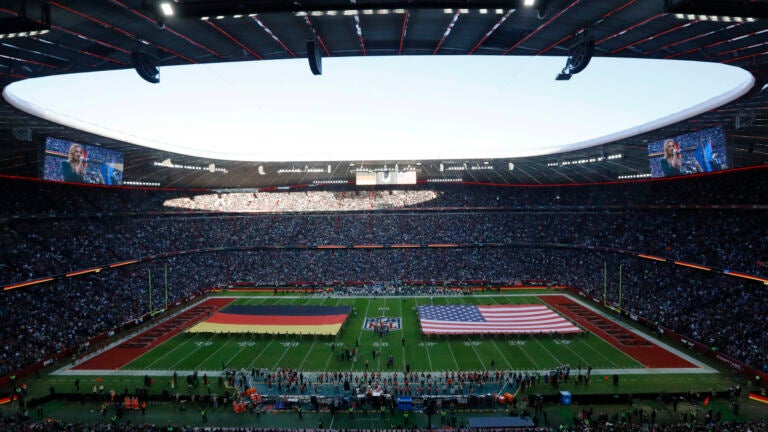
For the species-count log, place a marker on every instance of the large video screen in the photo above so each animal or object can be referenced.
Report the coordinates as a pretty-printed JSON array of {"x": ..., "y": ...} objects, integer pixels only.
[
  {"x": 81, "y": 163},
  {"x": 372, "y": 178},
  {"x": 695, "y": 152}
]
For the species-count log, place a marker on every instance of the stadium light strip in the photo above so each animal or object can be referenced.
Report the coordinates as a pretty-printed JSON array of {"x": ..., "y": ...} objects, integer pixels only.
[
  {"x": 368, "y": 247},
  {"x": 758, "y": 398},
  {"x": 445, "y": 180},
  {"x": 398, "y": 11},
  {"x": 713, "y": 18},
  {"x": 24, "y": 34},
  {"x": 442, "y": 245},
  {"x": 300, "y": 170},
  {"x": 27, "y": 283},
  {"x": 210, "y": 168},
  {"x": 634, "y": 176},
  {"x": 221, "y": 17},
  {"x": 746, "y": 276},
  {"x": 651, "y": 257},
  {"x": 685, "y": 264},
  {"x": 331, "y": 247},
  {"x": 332, "y": 181},
  {"x": 82, "y": 272},
  {"x": 405, "y": 246},
  {"x": 123, "y": 263},
  {"x": 140, "y": 183},
  {"x": 554, "y": 164}
]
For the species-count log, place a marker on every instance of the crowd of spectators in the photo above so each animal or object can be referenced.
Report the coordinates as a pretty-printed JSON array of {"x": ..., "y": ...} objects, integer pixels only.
[
  {"x": 735, "y": 239},
  {"x": 595, "y": 426},
  {"x": 718, "y": 310},
  {"x": 49, "y": 229},
  {"x": 408, "y": 383},
  {"x": 260, "y": 202},
  {"x": 746, "y": 187}
]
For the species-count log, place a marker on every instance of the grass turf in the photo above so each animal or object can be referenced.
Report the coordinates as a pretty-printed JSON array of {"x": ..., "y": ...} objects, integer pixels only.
[
  {"x": 406, "y": 346},
  {"x": 313, "y": 353}
]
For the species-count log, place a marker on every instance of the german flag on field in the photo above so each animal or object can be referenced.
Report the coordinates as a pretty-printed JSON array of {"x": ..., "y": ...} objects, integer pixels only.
[{"x": 316, "y": 320}]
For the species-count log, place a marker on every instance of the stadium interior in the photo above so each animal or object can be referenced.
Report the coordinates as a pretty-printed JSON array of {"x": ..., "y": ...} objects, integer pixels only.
[{"x": 162, "y": 262}]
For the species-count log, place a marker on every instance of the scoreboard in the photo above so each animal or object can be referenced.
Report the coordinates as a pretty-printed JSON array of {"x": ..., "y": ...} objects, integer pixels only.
[{"x": 375, "y": 178}]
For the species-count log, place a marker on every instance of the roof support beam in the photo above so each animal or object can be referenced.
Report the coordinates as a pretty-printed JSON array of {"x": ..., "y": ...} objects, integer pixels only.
[{"x": 244, "y": 7}]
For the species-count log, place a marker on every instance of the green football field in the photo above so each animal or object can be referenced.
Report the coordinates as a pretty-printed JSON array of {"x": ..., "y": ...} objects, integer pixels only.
[
  {"x": 407, "y": 346},
  {"x": 209, "y": 353}
]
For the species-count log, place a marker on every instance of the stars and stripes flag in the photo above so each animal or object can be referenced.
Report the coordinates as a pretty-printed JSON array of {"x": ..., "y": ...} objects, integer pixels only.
[{"x": 518, "y": 319}]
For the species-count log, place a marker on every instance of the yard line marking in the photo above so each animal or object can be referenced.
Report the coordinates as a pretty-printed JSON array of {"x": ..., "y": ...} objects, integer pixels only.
[
  {"x": 192, "y": 352},
  {"x": 312, "y": 347},
  {"x": 359, "y": 335},
  {"x": 452, "y": 356},
  {"x": 644, "y": 348},
  {"x": 174, "y": 349},
  {"x": 495, "y": 345},
  {"x": 253, "y": 362},
  {"x": 557, "y": 361},
  {"x": 174, "y": 318},
  {"x": 285, "y": 351},
  {"x": 149, "y": 366},
  {"x": 583, "y": 361},
  {"x": 402, "y": 330},
  {"x": 525, "y": 353},
  {"x": 307, "y": 355},
  {"x": 226, "y": 343},
  {"x": 426, "y": 346},
  {"x": 600, "y": 353},
  {"x": 378, "y": 358},
  {"x": 509, "y": 365},
  {"x": 333, "y": 351},
  {"x": 477, "y": 354}
]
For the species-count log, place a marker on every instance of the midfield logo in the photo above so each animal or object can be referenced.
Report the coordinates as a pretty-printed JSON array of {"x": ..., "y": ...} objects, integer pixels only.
[{"x": 383, "y": 323}]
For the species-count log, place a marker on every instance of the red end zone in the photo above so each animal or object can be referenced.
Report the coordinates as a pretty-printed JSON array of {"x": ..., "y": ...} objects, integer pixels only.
[
  {"x": 630, "y": 343},
  {"x": 120, "y": 355}
]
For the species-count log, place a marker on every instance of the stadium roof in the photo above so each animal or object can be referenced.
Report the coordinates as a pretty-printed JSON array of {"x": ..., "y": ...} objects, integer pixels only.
[{"x": 87, "y": 36}]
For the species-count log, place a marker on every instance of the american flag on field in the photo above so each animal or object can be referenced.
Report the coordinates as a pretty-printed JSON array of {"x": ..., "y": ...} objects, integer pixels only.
[{"x": 518, "y": 319}]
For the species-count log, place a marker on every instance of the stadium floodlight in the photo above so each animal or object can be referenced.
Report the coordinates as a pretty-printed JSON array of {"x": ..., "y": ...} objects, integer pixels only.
[
  {"x": 314, "y": 56},
  {"x": 166, "y": 8},
  {"x": 579, "y": 55},
  {"x": 542, "y": 6},
  {"x": 145, "y": 63}
]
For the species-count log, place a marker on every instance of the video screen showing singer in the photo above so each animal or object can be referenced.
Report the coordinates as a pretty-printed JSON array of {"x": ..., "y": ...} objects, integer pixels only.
[
  {"x": 701, "y": 151},
  {"x": 80, "y": 163},
  {"x": 672, "y": 163},
  {"x": 73, "y": 169}
]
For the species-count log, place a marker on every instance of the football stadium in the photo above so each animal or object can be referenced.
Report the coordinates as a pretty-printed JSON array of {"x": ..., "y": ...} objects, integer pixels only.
[{"x": 410, "y": 238}]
